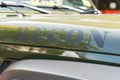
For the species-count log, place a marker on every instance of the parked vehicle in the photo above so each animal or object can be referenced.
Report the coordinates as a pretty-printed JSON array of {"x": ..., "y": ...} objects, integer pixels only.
[{"x": 109, "y": 6}]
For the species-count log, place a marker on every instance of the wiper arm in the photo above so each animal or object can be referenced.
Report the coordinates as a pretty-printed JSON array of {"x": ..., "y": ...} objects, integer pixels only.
[
  {"x": 35, "y": 8},
  {"x": 4, "y": 4},
  {"x": 81, "y": 11},
  {"x": 90, "y": 12},
  {"x": 72, "y": 8}
]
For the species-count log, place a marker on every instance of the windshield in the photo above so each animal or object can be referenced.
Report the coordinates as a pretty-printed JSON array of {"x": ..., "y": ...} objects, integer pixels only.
[
  {"x": 81, "y": 4},
  {"x": 75, "y": 6}
]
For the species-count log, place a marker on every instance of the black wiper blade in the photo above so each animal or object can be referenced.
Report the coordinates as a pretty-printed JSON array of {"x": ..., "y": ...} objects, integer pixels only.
[{"x": 3, "y": 4}]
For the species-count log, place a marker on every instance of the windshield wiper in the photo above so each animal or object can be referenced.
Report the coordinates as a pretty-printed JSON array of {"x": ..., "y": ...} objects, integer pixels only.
[
  {"x": 68, "y": 7},
  {"x": 4, "y": 4},
  {"x": 82, "y": 11},
  {"x": 76, "y": 9},
  {"x": 90, "y": 12},
  {"x": 72, "y": 8},
  {"x": 35, "y": 8}
]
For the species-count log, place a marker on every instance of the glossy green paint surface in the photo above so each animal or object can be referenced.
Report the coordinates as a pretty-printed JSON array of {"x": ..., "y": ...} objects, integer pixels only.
[
  {"x": 64, "y": 31},
  {"x": 60, "y": 36},
  {"x": 102, "y": 21}
]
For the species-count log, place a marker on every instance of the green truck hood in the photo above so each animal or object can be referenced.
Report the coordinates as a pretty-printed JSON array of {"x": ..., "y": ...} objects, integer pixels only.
[
  {"x": 55, "y": 34},
  {"x": 105, "y": 21},
  {"x": 87, "y": 33}
]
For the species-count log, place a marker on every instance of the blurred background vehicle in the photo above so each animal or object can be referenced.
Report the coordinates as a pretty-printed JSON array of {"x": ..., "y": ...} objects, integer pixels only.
[{"x": 108, "y": 6}]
